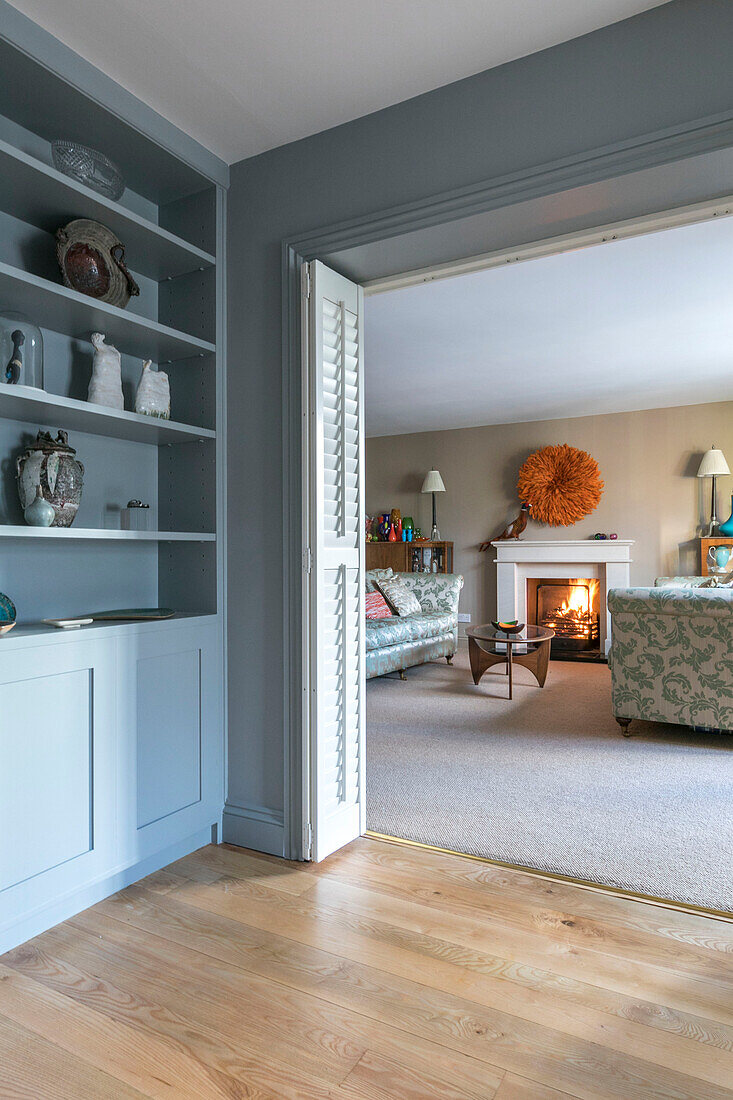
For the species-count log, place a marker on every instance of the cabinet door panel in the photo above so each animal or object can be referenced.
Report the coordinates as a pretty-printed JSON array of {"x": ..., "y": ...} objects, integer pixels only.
[
  {"x": 168, "y": 734},
  {"x": 170, "y": 744},
  {"x": 57, "y": 772},
  {"x": 47, "y": 750}
]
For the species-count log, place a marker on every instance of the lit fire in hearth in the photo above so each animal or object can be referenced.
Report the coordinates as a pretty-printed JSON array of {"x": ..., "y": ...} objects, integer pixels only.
[{"x": 576, "y": 615}]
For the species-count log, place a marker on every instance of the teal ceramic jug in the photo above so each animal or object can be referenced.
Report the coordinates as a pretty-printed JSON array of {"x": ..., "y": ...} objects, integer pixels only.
[{"x": 727, "y": 527}]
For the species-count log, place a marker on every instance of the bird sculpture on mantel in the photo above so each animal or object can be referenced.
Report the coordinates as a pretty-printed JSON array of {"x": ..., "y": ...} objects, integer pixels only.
[{"x": 514, "y": 529}]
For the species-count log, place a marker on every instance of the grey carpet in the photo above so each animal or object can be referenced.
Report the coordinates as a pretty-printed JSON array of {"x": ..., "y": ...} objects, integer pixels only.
[{"x": 547, "y": 780}]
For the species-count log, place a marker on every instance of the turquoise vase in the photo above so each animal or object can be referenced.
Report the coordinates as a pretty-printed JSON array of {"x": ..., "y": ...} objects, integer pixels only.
[{"x": 727, "y": 527}]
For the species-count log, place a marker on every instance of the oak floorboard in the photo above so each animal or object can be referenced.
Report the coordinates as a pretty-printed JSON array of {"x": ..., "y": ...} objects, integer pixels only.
[
  {"x": 384, "y": 973},
  {"x": 642, "y": 982},
  {"x": 230, "y": 862},
  {"x": 700, "y": 957},
  {"x": 158, "y": 1066},
  {"x": 505, "y": 1041},
  {"x": 232, "y": 1035},
  {"x": 640, "y": 1029},
  {"x": 32, "y": 1068},
  {"x": 372, "y": 859},
  {"x": 375, "y": 1077},
  {"x": 520, "y": 1088}
]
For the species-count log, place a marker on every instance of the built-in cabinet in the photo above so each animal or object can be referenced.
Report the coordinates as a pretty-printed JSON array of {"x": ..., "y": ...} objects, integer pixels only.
[
  {"x": 111, "y": 736},
  {"x": 110, "y": 761}
]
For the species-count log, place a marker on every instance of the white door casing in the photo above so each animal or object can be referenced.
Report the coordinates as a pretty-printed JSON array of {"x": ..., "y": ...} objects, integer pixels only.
[{"x": 334, "y": 553}]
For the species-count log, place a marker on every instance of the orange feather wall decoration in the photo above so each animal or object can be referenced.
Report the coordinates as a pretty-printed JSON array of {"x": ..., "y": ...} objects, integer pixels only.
[{"x": 562, "y": 483}]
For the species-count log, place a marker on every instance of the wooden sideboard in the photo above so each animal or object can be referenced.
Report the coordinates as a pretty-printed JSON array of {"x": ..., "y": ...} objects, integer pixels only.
[
  {"x": 401, "y": 556},
  {"x": 705, "y": 544}
]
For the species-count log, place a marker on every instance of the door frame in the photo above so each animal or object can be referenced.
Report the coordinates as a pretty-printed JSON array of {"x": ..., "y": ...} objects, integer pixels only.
[{"x": 651, "y": 150}]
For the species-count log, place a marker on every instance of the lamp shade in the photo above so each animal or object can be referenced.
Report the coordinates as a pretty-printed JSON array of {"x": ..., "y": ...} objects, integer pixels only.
[
  {"x": 713, "y": 464},
  {"x": 433, "y": 483}
]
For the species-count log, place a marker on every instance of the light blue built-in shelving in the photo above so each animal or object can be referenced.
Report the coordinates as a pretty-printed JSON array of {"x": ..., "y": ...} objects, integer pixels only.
[{"x": 111, "y": 737}]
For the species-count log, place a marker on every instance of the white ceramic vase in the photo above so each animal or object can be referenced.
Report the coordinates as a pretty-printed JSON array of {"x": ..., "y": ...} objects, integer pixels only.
[
  {"x": 105, "y": 386},
  {"x": 153, "y": 396}
]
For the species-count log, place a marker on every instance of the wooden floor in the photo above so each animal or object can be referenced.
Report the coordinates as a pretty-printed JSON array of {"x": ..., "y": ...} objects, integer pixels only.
[{"x": 385, "y": 972}]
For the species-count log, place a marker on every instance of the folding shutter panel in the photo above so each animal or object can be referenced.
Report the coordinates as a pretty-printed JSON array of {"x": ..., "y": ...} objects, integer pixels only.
[{"x": 336, "y": 450}]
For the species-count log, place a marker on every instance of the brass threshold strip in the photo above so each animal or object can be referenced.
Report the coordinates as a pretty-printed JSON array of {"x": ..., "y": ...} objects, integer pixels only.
[{"x": 584, "y": 884}]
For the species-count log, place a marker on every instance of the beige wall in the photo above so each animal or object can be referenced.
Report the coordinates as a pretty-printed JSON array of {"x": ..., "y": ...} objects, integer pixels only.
[{"x": 648, "y": 462}]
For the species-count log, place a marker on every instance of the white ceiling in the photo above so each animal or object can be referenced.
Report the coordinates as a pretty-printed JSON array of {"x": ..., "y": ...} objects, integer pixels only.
[
  {"x": 642, "y": 323},
  {"x": 243, "y": 76}
]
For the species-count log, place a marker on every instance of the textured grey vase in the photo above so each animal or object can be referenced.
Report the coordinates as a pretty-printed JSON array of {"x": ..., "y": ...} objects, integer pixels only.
[{"x": 51, "y": 466}]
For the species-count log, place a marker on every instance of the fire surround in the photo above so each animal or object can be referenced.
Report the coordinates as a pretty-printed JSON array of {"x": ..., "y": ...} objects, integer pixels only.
[{"x": 518, "y": 560}]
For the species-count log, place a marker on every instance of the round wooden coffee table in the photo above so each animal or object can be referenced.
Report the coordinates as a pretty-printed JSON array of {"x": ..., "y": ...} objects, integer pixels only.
[{"x": 488, "y": 646}]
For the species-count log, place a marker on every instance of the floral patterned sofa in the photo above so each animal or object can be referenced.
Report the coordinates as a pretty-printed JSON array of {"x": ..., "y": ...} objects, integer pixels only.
[
  {"x": 400, "y": 642},
  {"x": 671, "y": 657}
]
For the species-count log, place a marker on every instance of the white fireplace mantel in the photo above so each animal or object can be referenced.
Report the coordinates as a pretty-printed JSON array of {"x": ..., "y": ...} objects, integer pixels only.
[{"x": 519, "y": 560}]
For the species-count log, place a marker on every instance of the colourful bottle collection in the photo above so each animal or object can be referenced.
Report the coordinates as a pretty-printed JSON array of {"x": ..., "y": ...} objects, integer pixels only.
[{"x": 401, "y": 531}]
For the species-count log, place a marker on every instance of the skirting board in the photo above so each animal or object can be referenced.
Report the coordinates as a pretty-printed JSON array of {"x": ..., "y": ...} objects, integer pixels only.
[
  {"x": 254, "y": 827},
  {"x": 39, "y": 920}
]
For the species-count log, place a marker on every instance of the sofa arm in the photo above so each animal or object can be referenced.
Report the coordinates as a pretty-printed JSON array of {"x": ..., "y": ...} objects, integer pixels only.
[
  {"x": 678, "y": 582},
  {"x": 435, "y": 591},
  {"x": 703, "y": 604}
]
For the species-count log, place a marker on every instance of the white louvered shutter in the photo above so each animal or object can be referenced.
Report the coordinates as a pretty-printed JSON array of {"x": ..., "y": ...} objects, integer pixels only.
[{"x": 336, "y": 459}]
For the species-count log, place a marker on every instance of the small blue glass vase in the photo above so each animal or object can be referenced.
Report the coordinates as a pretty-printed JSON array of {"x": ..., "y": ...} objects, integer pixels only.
[{"x": 727, "y": 527}]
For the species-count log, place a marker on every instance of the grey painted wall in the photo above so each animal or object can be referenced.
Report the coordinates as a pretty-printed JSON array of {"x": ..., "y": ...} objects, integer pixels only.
[{"x": 658, "y": 70}]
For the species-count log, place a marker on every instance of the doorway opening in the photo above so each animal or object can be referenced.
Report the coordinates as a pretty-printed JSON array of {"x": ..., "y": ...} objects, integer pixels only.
[
  {"x": 540, "y": 780},
  {"x": 420, "y": 707}
]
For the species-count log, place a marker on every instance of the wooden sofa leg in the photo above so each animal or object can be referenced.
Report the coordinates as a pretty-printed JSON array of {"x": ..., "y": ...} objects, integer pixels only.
[
  {"x": 402, "y": 674},
  {"x": 624, "y": 724},
  {"x": 450, "y": 659}
]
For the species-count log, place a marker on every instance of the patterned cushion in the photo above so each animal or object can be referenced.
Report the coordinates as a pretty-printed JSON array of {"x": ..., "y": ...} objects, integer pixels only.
[
  {"x": 399, "y": 596},
  {"x": 371, "y": 576},
  {"x": 376, "y": 606},
  {"x": 723, "y": 580}
]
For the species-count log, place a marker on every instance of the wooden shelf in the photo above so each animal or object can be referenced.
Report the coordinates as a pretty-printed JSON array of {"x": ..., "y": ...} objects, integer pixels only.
[
  {"x": 38, "y": 407},
  {"x": 54, "y": 306},
  {"x": 38, "y": 194},
  {"x": 19, "y": 531}
]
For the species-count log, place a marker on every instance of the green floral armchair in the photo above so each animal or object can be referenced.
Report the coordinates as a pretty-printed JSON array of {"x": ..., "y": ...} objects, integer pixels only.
[{"x": 671, "y": 657}]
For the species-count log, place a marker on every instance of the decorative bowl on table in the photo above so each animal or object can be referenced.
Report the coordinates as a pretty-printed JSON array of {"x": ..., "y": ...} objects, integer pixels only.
[
  {"x": 7, "y": 613},
  {"x": 511, "y": 627},
  {"x": 89, "y": 167}
]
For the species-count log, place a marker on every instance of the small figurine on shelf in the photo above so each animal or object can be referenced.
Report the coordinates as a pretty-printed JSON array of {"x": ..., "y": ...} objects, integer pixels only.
[
  {"x": 105, "y": 386},
  {"x": 135, "y": 516},
  {"x": 153, "y": 395},
  {"x": 21, "y": 350}
]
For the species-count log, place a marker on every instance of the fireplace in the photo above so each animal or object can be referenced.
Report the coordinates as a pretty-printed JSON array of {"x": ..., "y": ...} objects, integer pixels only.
[
  {"x": 521, "y": 561},
  {"x": 570, "y": 607}
]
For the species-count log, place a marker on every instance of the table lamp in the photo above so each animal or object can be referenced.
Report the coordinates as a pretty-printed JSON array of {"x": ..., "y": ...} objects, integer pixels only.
[
  {"x": 713, "y": 465},
  {"x": 433, "y": 483}
]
